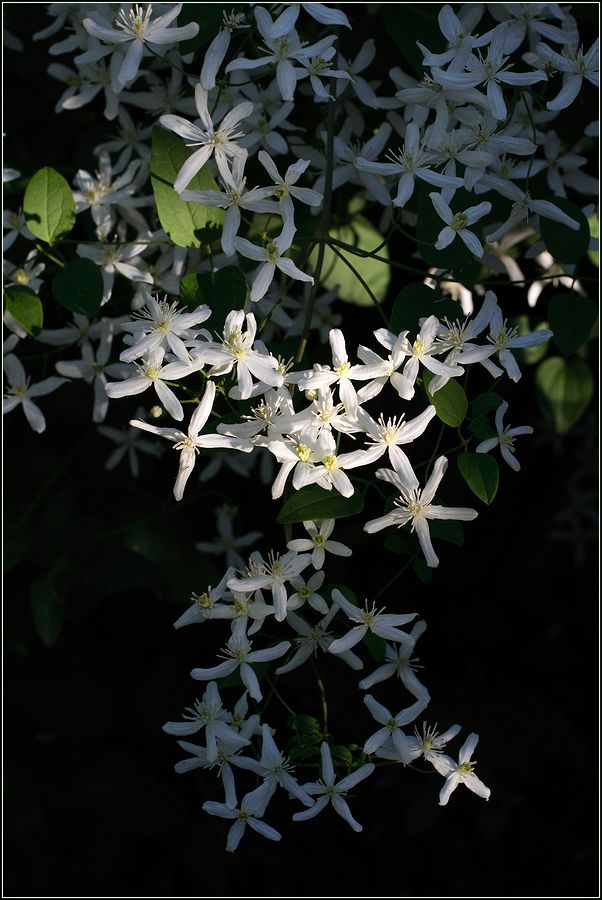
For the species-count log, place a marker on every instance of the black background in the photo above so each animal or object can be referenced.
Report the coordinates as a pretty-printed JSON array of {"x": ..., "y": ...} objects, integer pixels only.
[{"x": 92, "y": 805}]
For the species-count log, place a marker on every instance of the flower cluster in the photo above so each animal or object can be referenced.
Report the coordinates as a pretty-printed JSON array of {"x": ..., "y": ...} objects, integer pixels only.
[{"x": 273, "y": 126}]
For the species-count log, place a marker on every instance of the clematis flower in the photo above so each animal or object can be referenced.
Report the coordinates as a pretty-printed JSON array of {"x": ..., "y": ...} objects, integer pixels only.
[
  {"x": 249, "y": 814},
  {"x": 392, "y": 726},
  {"x": 505, "y": 438},
  {"x": 221, "y": 141},
  {"x": 416, "y": 506},
  {"x": 368, "y": 619},
  {"x": 461, "y": 772},
  {"x": 328, "y": 790},
  {"x": 20, "y": 391},
  {"x": 272, "y": 258},
  {"x": 457, "y": 224},
  {"x": 319, "y": 543},
  {"x": 136, "y": 25},
  {"x": 189, "y": 444}
]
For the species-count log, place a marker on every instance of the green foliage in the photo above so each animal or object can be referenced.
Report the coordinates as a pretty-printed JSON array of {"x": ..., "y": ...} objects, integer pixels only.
[
  {"x": 481, "y": 473},
  {"x": 447, "y": 530},
  {"x": 222, "y": 291},
  {"x": 565, "y": 390},
  {"x": 450, "y": 402},
  {"x": 313, "y": 503},
  {"x": 48, "y": 611},
  {"x": 187, "y": 224},
  {"x": 78, "y": 287},
  {"x": 565, "y": 244},
  {"x": 482, "y": 406},
  {"x": 410, "y": 22},
  {"x": 209, "y": 18},
  {"x": 48, "y": 206},
  {"x": 416, "y": 301},
  {"x": 396, "y": 543},
  {"x": 376, "y": 646},
  {"x": 307, "y": 736},
  {"x": 25, "y": 307},
  {"x": 424, "y": 572},
  {"x": 572, "y": 318},
  {"x": 335, "y": 273},
  {"x": 594, "y": 230}
]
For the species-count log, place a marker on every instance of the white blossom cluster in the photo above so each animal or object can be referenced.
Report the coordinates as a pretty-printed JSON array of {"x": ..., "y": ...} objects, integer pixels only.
[{"x": 480, "y": 120}]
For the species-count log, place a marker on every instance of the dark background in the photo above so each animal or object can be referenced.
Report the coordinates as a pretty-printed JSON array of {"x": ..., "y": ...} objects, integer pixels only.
[{"x": 92, "y": 805}]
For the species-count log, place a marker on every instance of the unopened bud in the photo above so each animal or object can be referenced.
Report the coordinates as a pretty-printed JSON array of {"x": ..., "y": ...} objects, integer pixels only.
[
  {"x": 311, "y": 394},
  {"x": 156, "y": 412}
]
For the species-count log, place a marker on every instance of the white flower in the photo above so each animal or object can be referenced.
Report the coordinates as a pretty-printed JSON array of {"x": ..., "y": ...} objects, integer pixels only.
[
  {"x": 329, "y": 472},
  {"x": 27, "y": 274},
  {"x": 399, "y": 661},
  {"x": 410, "y": 163},
  {"x": 282, "y": 46},
  {"x": 189, "y": 444},
  {"x": 161, "y": 325},
  {"x": 328, "y": 790},
  {"x": 237, "y": 350},
  {"x": 307, "y": 591},
  {"x": 272, "y": 258},
  {"x": 128, "y": 442},
  {"x": 430, "y": 743},
  {"x": 461, "y": 772},
  {"x": 150, "y": 372},
  {"x": 234, "y": 198},
  {"x": 14, "y": 225},
  {"x": 273, "y": 575},
  {"x": 122, "y": 259},
  {"x": 422, "y": 350},
  {"x": 387, "y": 436},
  {"x": 416, "y": 506},
  {"x": 319, "y": 67},
  {"x": 285, "y": 189},
  {"x": 94, "y": 368},
  {"x": 275, "y": 770},
  {"x": 523, "y": 205},
  {"x": 392, "y": 726},
  {"x": 457, "y": 224},
  {"x": 505, "y": 438},
  {"x": 136, "y": 25},
  {"x": 346, "y": 169},
  {"x": 575, "y": 66},
  {"x": 203, "y": 605},
  {"x": 20, "y": 391},
  {"x": 368, "y": 619},
  {"x": 248, "y": 814},
  {"x": 225, "y": 542},
  {"x": 313, "y": 637},
  {"x": 220, "y": 140},
  {"x": 238, "y": 654},
  {"x": 209, "y": 714},
  {"x": 319, "y": 542},
  {"x": 103, "y": 195}
]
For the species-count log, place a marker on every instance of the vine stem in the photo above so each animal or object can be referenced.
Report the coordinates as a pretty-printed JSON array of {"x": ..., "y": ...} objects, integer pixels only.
[
  {"x": 363, "y": 284},
  {"x": 397, "y": 575},
  {"x": 323, "y": 701},
  {"x": 323, "y": 230}
]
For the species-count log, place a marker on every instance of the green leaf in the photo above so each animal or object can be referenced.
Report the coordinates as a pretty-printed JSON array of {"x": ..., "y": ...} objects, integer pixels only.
[
  {"x": 25, "y": 307},
  {"x": 48, "y": 611},
  {"x": 481, "y": 427},
  {"x": 335, "y": 273},
  {"x": 376, "y": 646},
  {"x": 187, "y": 224},
  {"x": 424, "y": 572},
  {"x": 481, "y": 473},
  {"x": 408, "y": 23},
  {"x": 565, "y": 390},
  {"x": 78, "y": 287},
  {"x": 313, "y": 503},
  {"x": 594, "y": 230},
  {"x": 447, "y": 530},
  {"x": 488, "y": 402},
  {"x": 396, "y": 543},
  {"x": 565, "y": 244},
  {"x": 572, "y": 318},
  {"x": 209, "y": 17},
  {"x": 450, "y": 402},
  {"x": 48, "y": 206},
  {"x": 416, "y": 301},
  {"x": 222, "y": 291}
]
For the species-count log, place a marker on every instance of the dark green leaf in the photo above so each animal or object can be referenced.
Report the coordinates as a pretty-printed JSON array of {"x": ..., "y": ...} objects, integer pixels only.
[
  {"x": 48, "y": 206},
  {"x": 396, "y": 543},
  {"x": 376, "y": 646},
  {"x": 565, "y": 390},
  {"x": 424, "y": 572},
  {"x": 313, "y": 503},
  {"x": 78, "y": 287},
  {"x": 481, "y": 426},
  {"x": 335, "y": 273},
  {"x": 572, "y": 318},
  {"x": 408, "y": 23},
  {"x": 488, "y": 402},
  {"x": 447, "y": 530},
  {"x": 222, "y": 291},
  {"x": 481, "y": 473},
  {"x": 416, "y": 301},
  {"x": 565, "y": 244},
  {"x": 25, "y": 307},
  {"x": 450, "y": 402},
  {"x": 342, "y": 756},
  {"x": 209, "y": 17},
  {"x": 187, "y": 224},
  {"x": 48, "y": 611}
]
